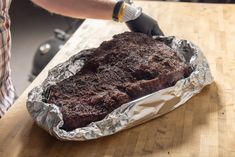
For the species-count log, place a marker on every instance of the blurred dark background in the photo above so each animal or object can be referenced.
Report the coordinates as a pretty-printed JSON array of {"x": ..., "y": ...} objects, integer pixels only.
[{"x": 30, "y": 27}]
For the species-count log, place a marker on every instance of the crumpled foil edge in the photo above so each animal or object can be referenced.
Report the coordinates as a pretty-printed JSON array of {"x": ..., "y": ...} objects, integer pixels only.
[{"x": 49, "y": 117}]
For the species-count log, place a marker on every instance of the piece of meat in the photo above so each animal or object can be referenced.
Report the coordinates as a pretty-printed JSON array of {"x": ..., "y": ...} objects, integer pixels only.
[{"x": 129, "y": 66}]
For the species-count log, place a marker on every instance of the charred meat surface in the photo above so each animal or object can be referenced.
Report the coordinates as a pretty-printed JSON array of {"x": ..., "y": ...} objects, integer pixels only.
[{"x": 129, "y": 66}]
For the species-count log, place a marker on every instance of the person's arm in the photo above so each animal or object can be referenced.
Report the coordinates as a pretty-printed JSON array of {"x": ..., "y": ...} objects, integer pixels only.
[
  {"x": 104, "y": 9},
  {"x": 95, "y": 9}
]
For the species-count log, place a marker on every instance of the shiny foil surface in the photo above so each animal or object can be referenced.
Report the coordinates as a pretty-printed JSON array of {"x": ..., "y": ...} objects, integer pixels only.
[{"x": 49, "y": 117}]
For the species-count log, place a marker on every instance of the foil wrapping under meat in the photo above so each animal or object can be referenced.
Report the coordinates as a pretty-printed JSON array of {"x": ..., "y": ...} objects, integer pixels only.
[{"x": 49, "y": 117}]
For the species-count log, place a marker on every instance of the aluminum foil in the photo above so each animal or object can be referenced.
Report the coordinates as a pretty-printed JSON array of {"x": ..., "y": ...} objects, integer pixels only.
[{"x": 49, "y": 117}]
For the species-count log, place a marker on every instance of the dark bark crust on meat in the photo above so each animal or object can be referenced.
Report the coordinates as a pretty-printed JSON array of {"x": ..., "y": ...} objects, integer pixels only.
[{"x": 123, "y": 69}]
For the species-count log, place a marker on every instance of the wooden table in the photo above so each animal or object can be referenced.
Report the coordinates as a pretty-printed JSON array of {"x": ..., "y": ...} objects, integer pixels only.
[{"x": 203, "y": 127}]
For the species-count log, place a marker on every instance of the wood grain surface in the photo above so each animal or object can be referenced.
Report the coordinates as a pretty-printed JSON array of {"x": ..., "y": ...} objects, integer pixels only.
[{"x": 203, "y": 127}]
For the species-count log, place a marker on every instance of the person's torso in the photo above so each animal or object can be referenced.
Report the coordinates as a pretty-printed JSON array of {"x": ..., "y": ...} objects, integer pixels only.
[{"x": 6, "y": 87}]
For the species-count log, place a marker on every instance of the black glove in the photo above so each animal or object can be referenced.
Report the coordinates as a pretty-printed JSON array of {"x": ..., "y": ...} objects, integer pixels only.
[{"x": 145, "y": 24}]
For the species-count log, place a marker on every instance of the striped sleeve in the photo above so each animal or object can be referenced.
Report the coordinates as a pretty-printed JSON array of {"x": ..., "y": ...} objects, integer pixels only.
[{"x": 6, "y": 87}]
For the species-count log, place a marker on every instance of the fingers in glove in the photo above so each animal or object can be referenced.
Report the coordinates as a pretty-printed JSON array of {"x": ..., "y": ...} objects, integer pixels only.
[
  {"x": 149, "y": 33},
  {"x": 157, "y": 31}
]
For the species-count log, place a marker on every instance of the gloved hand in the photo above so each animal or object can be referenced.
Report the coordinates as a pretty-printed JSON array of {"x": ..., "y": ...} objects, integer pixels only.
[
  {"x": 135, "y": 19},
  {"x": 145, "y": 24}
]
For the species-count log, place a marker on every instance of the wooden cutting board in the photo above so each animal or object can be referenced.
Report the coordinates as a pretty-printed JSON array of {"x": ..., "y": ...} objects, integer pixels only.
[{"x": 203, "y": 127}]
